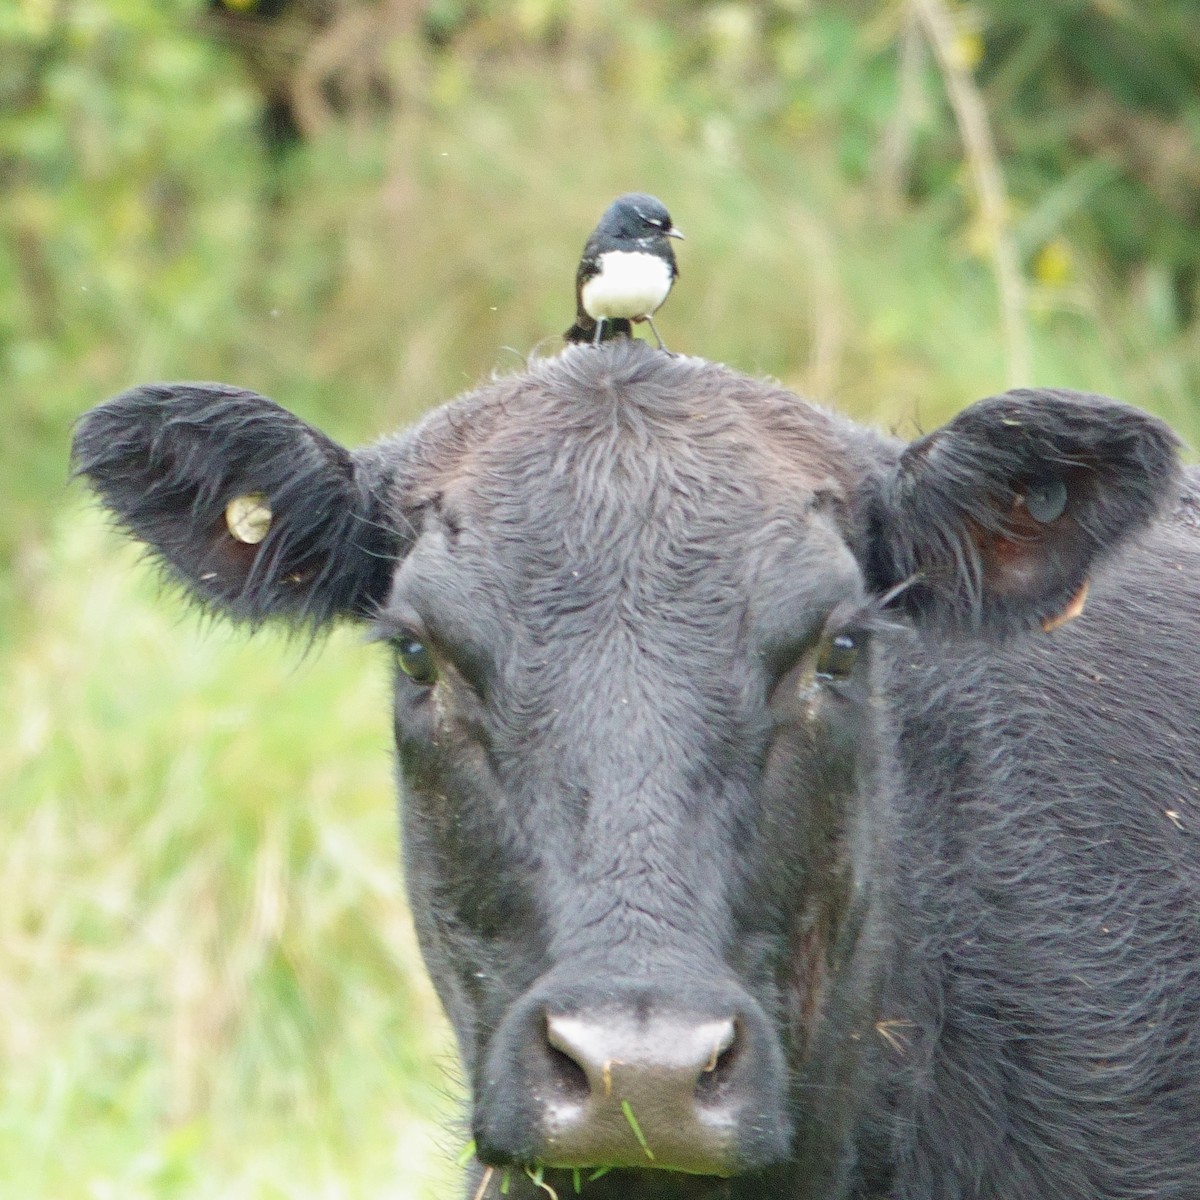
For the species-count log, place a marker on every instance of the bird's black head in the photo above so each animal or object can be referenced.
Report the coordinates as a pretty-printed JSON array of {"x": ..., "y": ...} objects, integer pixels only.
[{"x": 637, "y": 215}]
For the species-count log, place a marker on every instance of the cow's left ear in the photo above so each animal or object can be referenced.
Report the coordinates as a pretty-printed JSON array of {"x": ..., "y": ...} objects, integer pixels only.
[
  {"x": 996, "y": 519},
  {"x": 256, "y": 513}
]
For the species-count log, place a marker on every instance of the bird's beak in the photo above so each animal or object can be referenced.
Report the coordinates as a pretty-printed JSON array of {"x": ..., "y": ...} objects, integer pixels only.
[{"x": 673, "y": 232}]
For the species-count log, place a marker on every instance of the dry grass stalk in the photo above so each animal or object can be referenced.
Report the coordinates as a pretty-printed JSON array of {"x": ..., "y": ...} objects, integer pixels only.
[
  {"x": 970, "y": 114},
  {"x": 895, "y": 151}
]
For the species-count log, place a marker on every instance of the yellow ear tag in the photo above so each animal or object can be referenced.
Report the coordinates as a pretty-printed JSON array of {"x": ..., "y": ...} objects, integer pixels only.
[
  {"x": 248, "y": 518},
  {"x": 1068, "y": 614}
]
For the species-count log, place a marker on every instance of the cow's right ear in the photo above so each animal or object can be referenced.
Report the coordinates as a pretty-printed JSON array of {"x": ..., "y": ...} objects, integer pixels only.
[
  {"x": 993, "y": 523},
  {"x": 256, "y": 512}
]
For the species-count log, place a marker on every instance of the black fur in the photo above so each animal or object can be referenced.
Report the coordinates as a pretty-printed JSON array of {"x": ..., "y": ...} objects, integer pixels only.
[
  {"x": 584, "y": 329},
  {"x": 951, "y": 517},
  {"x": 946, "y": 879},
  {"x": 167, "y": 458}
]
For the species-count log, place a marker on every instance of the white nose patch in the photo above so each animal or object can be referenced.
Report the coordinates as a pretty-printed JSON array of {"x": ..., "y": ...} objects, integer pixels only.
[{"x": 629, "y": 284}]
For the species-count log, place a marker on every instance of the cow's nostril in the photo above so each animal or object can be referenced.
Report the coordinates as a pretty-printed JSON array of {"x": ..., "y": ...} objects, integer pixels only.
[
  {"x": 568, "y": 1077},
  {"x": 719, "y": 1067}
]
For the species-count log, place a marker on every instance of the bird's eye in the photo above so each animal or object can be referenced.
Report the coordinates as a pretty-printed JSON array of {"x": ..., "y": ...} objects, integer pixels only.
[
  {"x": 838, "y": 656},
  {"x": 416, "y": 660}
]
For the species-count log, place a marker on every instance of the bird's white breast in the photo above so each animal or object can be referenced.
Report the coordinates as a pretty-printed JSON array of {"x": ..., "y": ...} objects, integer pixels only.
[{"x": 629, "y": 284}]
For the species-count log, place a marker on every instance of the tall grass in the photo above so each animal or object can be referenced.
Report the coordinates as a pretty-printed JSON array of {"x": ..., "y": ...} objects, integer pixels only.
[{"x": 207, "y": 971}]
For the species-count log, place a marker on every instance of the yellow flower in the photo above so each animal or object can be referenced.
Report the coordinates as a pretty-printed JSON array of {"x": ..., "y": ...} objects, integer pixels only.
[
  {"x": 968, "y": 50},
  {"x": 1053, "y": 264}
]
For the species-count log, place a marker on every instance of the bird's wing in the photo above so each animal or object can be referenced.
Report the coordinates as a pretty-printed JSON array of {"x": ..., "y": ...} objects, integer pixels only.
[
  {"x": 589, "y": 267},
  {"x": 669, "y": 255}
]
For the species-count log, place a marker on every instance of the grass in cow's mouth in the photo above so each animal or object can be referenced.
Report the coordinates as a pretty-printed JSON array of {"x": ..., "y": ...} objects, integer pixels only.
[
  {"x": 483, "y": 1183},
  {"x": 489, "y": 1173},
  {"x": 536, "y": 1171},
  {"x": 627, "y": 1109},
  {"x": 577, "y": 1181}
]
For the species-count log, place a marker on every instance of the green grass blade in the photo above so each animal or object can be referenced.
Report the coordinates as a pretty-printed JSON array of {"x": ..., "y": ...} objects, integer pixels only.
[{"x": 627, "y": 1109}]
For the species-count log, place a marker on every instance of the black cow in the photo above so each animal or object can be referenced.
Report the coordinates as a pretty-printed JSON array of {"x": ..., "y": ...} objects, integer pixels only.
[{"x": 768, "y": 829}]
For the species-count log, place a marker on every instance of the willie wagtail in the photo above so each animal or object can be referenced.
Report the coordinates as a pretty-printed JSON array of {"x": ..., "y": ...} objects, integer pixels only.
[{"x": 626, "y": 272}]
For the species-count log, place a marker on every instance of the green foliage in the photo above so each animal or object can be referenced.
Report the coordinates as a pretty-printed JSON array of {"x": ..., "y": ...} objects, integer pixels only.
[
  {"x": 130, "y": 202},
  {"x": 208, "y": 978},
  {"x": 1109, "y": 94}
]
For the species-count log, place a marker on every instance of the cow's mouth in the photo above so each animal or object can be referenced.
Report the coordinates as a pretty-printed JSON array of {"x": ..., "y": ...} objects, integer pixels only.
[{"x": 598, "y": 1183}]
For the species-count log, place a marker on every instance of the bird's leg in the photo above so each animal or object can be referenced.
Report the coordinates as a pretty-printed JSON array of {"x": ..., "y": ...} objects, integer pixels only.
[
  {"x": 650, "y": 321},
  {"x": 599, "y": 331}
]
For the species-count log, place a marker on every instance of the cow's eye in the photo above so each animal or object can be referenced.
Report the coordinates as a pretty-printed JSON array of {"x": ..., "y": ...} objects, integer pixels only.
[
  {"x": 838, "y": 656},
  {"x": 416, "y": 660},
  {"x": 1046, "y": 500}
]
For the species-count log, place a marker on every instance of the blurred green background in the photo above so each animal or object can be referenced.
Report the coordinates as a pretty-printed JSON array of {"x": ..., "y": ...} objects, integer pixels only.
[{"x": 207, "y": 975}]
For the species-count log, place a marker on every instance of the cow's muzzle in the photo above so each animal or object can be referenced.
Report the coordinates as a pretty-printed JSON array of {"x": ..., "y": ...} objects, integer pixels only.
[{"x": 624, "y": 1075}]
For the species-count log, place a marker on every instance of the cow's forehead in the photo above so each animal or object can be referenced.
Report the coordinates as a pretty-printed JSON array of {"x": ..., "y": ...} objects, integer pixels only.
[
  {"x": 592, "y": 432},
  {"x": 632, "y": 477}
]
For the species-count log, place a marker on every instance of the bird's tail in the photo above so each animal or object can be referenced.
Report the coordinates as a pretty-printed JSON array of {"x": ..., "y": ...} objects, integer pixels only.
[{"x": 584, "y": 330}]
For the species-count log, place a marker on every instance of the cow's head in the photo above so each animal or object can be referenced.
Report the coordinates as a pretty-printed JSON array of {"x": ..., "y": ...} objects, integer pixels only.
[{"x": 634, "y": 602}]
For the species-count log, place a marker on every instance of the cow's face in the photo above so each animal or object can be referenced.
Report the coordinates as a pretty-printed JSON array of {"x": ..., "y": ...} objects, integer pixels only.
[
  {"x": 640, "y": 767},
  {"x": 634, "y": 603}
]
